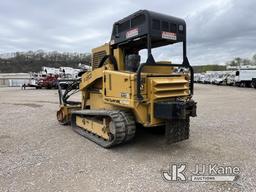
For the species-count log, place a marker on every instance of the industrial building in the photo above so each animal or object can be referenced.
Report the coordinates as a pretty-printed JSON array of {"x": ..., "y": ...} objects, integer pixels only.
[{"x": 13, "y": 79}]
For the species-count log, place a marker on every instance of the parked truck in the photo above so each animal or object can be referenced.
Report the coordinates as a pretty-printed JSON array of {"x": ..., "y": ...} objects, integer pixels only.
[
  {"x": 47, "y": 81},
  {"x": 254, "y": 82},
  {"x": 244, "y": 77},
  {"x": 231, "y": 79}
]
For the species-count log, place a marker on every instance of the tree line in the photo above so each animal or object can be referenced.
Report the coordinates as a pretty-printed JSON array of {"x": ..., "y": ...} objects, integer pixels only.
[
  {"x": 236, "y": 62},
  {"x": 33, "y": 61}
]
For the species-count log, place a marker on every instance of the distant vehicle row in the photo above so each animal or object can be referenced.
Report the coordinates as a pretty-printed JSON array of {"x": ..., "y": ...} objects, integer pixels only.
[
  {"x": 240, "y": 78},
  {"x": 48, "y": 77}
]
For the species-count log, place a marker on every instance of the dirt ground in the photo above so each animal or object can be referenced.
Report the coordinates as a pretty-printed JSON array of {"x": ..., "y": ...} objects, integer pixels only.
[{"x": 38, "y": 154}]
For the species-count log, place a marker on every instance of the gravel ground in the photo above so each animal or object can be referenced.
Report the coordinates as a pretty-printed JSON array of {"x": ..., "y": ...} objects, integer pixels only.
[{"x": 38, "y": 154}]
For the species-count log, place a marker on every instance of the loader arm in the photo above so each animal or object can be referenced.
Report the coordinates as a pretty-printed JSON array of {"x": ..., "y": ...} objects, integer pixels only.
[{"x": 90, "y": 77}]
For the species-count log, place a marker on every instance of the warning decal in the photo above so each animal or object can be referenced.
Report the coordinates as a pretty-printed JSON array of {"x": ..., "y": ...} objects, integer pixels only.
[
  {"x": 169, "y": 35},
  {"x": 132, "y": 33}
]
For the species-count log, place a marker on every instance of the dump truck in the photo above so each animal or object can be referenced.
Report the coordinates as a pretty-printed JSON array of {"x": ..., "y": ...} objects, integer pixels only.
[{"x": 121, "y": 92}]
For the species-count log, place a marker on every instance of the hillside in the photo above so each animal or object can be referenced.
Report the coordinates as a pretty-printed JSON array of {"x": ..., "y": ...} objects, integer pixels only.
[{"x": 34, "y": 61}]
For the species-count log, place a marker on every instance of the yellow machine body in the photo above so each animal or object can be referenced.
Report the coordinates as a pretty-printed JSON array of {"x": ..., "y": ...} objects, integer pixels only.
[
  {"x": 120, "y": 91},
  {"x": 117, "y": 89}
]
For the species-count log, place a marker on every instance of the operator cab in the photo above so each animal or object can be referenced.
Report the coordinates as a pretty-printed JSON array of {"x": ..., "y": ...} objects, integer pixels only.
[{"x": 146, "y": 30}]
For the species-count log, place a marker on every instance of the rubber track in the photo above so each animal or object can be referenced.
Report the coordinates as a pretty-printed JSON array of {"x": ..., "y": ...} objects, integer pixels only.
[{"x": 124, "y": 123}]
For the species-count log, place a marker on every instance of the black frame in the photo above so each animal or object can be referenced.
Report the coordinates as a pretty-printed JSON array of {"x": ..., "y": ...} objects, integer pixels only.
[
  {"x": 153, "y": 39},
  {"x": 151, "y": 62},
  {"x": 145, "y": 28},
  {"x": 63, "y": 98}
]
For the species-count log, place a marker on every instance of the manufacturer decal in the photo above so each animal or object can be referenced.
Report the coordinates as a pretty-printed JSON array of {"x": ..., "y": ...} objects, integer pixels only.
[
  {"x": 132, "y": 33},
  {"x": 123, "y": 101},
  {"x": 169, "y": 35},
  {"x": 125, "y": 95}
]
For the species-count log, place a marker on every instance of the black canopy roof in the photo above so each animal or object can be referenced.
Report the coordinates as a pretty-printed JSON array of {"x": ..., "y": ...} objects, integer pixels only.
[{"x": 133, "y": 30}]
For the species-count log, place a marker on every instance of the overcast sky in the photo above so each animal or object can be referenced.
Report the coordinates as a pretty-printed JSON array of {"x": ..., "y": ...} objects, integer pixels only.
[{"x": 217, "y": 30}]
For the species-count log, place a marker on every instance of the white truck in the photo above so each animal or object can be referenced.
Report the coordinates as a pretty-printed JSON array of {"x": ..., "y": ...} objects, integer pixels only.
[
  {"x": 244, "y": 77},
  {"x": 231, "y": 78},
  {"x": 224, "y": 78},
  {"x": 220, "y": 79}
]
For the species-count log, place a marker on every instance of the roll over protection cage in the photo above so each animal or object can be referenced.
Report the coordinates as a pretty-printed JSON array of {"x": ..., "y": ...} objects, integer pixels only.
[{"x": 154, "y": 38}]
